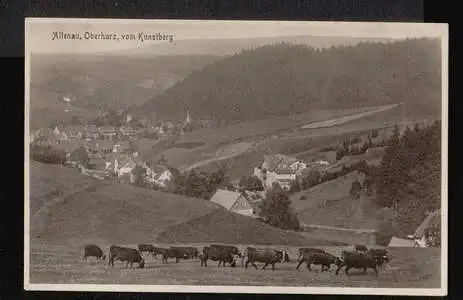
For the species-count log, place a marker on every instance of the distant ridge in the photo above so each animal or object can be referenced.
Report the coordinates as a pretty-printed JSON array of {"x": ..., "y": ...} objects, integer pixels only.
[
  {"x": 224, "y": 47},
  {"x": 286, "y": 78}
]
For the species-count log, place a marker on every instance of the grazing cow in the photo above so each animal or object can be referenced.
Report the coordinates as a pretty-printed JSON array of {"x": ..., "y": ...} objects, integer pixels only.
[
  {"x": 93, "y": 250},
  {"x": 221, "y": 254},
  {"x": 234, "y": 250},
  {"x": 381, "y": 256},
  {"x": 146, "y": 248},
  {"x": 172, "y": 252},
  {"x": 267, "y": 256},
  {"x": 302, "y": 251},
  {"x": 357, "y": 261},
  {"x": 192, "y": 252},
  {"x": 361, "y": 248},
  {"x": 128, "y": 255},
  {"x": 285, "y": 257},
  {"x": 317, "y": 258}
]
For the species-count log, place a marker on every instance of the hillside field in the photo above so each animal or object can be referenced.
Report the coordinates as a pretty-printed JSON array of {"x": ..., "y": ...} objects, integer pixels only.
[
  {"x": 117, "y": 213},
  {"x": 409, "y": 268}
]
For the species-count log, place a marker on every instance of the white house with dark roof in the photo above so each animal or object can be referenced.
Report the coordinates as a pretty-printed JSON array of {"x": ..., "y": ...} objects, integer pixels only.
[
  {"x": 233, "y": 202},
  {"x": 279, "y": 168},
  {"x": 108, "y": 132}
]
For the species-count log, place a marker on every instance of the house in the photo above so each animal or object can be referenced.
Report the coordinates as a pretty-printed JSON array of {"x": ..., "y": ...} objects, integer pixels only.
[
  {"x": 422, "y": 235},
  {"x": 127, "y": 131},
  {"x": 46, "y": 136},
  {"x": 108, "y": 132},
  {"x": 160, "y": 176},
  {"x": 233, "y": 202},
  {"x": 255, "y": 199},
  {"x": 122, "y": 147},
  {"x": 74, "y": 132},
  {"x": 92, "y": 147},
  {"x": 126, "y": 167},
  {"x": 60, "y": 133},
  {"x": 91, "y": 132},
  {"x": 105, "y": 146},
  {"x": 279, "y": 168}
]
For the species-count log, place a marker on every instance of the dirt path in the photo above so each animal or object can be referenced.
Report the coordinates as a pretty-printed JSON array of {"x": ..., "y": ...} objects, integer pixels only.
[{"x": 342, "y": 120}]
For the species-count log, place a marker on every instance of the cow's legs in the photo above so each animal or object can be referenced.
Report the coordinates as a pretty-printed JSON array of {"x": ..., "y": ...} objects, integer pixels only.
[
  {"x": 376, "y": 271},
  {"x": 299, "y": 264},
  {"x": 339, "y": 268},
  {"x": 266, "y": 264},
  {"x": 177, "y": 260},
  {"x": 308, "y": 266},
  {"x": 365, "y": 270},
  {"x": 127, "y": 264},
  {"x": 347, "y": 270},
  {"x": 273, "y": 267}
]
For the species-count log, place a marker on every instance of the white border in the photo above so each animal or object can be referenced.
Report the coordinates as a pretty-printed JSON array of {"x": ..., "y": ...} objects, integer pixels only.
[{"x": 333, "y": 27}]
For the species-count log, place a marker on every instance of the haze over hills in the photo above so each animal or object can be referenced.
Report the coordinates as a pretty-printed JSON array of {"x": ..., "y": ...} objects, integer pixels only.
[
  {"x": 224, "y": 47},
  {"x": 284, "y": 79},
  {"x": 101, "y": 82}
]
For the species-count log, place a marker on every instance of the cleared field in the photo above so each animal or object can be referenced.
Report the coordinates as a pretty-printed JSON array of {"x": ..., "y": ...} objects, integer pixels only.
[
  {"x": 330, "y": 204},
  {"x": 409, "y": 268}
]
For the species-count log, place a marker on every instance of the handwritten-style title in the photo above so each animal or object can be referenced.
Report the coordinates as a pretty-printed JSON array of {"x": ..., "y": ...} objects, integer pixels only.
[{"x": 112, "y": 36}]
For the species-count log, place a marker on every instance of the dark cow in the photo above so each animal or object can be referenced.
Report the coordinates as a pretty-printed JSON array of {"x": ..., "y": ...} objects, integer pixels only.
[
  {"x": 381, "y": 256},
  {"x": 302, "y": 251},
  {"x": 361, "y": 248},
  {"x": 233, "y": 250},
  {"x": 357, "y": 261},
  {"x": 317, "y": 258},
  {"x": 221, "y": 254},
  {"x": 146, "y": 248},
  {"x": 266, "y": 256},
  {"x": 128, "y": 255},
  {"x": 93, "y": 250},
  {"x": 189, "y": 252}
]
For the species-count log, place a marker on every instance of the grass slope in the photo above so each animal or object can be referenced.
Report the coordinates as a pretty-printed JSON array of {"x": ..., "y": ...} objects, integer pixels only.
[
  {"x": 330, "y": 204},
  {"x": 224, "y": 227},
  {"x": 114, "y": 213}
]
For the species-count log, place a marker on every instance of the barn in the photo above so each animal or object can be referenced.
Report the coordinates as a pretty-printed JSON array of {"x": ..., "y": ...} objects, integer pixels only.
[{"x": 233, "y": 202}]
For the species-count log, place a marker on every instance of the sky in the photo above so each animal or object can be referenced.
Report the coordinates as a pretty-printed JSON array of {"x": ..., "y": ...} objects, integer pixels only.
[{"x": 39, "y": 32}]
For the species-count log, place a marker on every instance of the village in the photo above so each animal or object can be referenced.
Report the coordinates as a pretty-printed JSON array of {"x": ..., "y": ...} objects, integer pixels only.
[{"x": 110, "y": 152}]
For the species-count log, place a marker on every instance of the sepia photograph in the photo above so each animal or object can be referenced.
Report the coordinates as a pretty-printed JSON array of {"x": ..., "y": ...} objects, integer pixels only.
[{"x": 264, "y": 157}]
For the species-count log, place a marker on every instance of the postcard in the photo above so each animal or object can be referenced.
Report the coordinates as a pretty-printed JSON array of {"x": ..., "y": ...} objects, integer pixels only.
[{"x": 236, "y": 156}]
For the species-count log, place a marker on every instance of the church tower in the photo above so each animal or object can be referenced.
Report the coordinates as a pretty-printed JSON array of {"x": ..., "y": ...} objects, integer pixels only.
[{"x": 187, "y": 118}]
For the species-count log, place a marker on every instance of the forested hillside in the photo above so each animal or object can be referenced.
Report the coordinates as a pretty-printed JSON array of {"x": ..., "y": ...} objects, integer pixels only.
[
  {"x": 283, "y": 78},
  {"x": 409, "y": 177}
]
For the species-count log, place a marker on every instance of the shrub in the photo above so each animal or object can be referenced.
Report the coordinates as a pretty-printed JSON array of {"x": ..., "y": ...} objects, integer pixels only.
[{"x": 384, "y": 233}]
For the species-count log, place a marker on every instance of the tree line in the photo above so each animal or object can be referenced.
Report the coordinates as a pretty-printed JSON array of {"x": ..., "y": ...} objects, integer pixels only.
[{"x": 236, "y": 88}]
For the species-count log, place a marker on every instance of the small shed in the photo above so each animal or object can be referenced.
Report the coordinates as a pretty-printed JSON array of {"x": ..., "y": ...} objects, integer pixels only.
[{"x": 233, "y": 201}]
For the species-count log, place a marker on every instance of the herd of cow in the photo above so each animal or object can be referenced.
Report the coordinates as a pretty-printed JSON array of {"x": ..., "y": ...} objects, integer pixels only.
[{"x": 361, "y": 258}]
